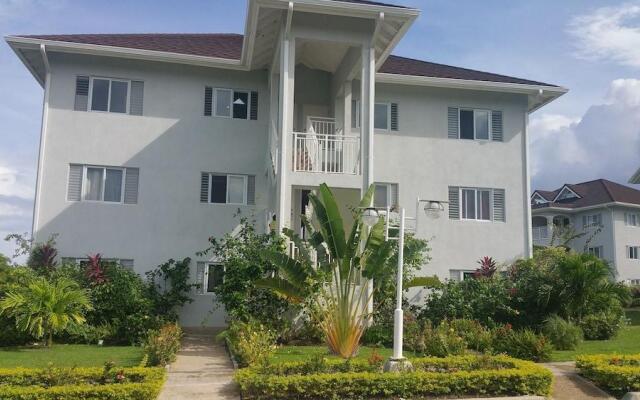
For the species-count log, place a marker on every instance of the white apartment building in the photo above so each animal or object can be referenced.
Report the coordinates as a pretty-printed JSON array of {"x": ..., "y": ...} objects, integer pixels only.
[
  {"x": 150, "y": 143},
  {"x": 603, "y": 216}
]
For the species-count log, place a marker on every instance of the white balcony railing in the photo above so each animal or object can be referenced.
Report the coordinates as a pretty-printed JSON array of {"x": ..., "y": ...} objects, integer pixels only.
[
  {"x": 331, "y": 154},
  {"x": 322, "y": 125}
]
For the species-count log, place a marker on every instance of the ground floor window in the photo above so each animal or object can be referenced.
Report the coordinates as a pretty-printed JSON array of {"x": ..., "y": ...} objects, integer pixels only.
[
  {"x": 633, "y": 252},
  {"x": 596, "y": 251},
  {"x": 213, "y": 277}
]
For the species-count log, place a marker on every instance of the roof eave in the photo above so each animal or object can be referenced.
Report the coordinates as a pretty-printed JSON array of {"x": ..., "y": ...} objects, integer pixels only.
[
  {"x": 342, "y": 8},
  {"x": 586, "y": 208},
  {"x": 544, "y": 92}
]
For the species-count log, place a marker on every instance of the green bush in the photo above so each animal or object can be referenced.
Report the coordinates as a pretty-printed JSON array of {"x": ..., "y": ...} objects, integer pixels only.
[
  {"x": 251, "y": 343},
  {"x": 81, "y": 383},
  {"x": 378, "y": 335},
  {"x": 601, "y": 326},
  {"x": 441, "y": 341},
  {"x": 613, "y": 373},
  {"x": 466, "y": 376},
  {"x": 162, "y": 345},
  {"x": 523, "y": 344},
  {"x": 563, "y": 334},
  {"x": 476, "y": 336}
]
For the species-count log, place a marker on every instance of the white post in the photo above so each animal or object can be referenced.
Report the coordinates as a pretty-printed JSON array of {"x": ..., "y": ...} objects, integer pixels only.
[{"x": 398, "y": 314}]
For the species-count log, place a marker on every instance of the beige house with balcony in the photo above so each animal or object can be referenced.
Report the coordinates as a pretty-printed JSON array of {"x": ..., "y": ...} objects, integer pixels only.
[{"x": 151, "y": 143}]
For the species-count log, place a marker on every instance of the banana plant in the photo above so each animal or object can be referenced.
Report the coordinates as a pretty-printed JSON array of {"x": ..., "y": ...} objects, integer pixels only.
[{"x": 336, "y": 281}]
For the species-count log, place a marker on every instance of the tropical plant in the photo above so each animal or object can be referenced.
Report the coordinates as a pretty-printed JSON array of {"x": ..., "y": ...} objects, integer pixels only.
[
  {"x": 162, "y": 345},
  {"x": 169, "y": 287},
  {"x": 95, "y": 269},
  {"x": 487, "y": 268},
  {"x": 45, "y": 308},
  {"x": 347, "y": 274},
  {"x": 563, "y": 334},
  {"x": 250, "y": 342}
]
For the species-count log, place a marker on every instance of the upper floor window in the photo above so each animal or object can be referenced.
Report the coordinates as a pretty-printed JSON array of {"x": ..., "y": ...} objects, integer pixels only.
[
  {"x": 479, "y": 204},
  {"x": 474, "y": 124},
  {"x": 385, "y": 116},
  {"x": 109, "y": 95},
  {"x": 227, "y": 188},
  {"x": 633, "y": 252},
  {"x": 591, "y": 220},
  {"x": 597, "y": 251},
  {"x": 386, "y": 195},
  {"x": 632, "y": 219},
  {"x": 230, "y": 103},
  {"x": 103, "y": 184}
]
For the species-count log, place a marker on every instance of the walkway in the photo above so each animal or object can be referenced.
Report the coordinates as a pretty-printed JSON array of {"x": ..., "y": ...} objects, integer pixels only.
[
  {"x": 202, "y": 371},
  {"x": 571, "y": 386}
]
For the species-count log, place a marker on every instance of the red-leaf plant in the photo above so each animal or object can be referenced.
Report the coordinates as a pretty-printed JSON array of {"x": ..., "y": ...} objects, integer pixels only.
[
  {"x": 487, "y": 267},
  {"x": 95, "y": 271}
]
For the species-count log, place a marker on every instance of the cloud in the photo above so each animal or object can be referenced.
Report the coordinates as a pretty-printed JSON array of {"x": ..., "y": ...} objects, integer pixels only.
[
  {"x": 12, "y": 184},
  {"x": 603, "y": 143},
  {"x": 10, "y": 210},
  {"x": 609, "y": 33}
]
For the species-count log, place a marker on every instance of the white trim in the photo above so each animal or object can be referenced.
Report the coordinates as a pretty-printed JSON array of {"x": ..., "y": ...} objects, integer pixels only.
[
  {"x": 474, "y": 111},
  {"x": 538, "y": 195},
  {"x": 84, "y": 186},
  {"x": 632, "y": 249},
  {"x": 110, "y": 80},
  {"x": 43, "y": 134},
  {"x": 580, "y": 209},
  {"x": 476, "y": 204},
  {"x": 214, "y": 102},
  {"x": 566, "y": 187},
  {"x": 245, "y": 193}
]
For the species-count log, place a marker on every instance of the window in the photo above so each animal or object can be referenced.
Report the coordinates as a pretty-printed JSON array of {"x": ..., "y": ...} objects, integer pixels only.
[
  {"x": 381, "y": 116},
  {"x": 227, "y": 188},
  {"x": 476, "y": 204},
  {"x": 385, "y": 116},
  {"x": 103, "y": 184},
  {"x": 597, "y": 251},
  {"x": 591, "y": 220},
  {"x": 458, "y": 275},
  {"x": 474, "y": 124},
  {"x": 229, "y": 103},
  {"x": 109, "y": 95},
  {"x": 633, "y": 252},
  {"x": 385, "y": 195},
  {"x": 631, "y": 219},
  {"x": 214, "y": 277}
]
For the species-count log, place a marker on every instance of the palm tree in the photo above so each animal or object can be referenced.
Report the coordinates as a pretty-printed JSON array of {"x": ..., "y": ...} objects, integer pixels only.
[
  {"x": 44, "y": 308},
  {"x": 335, "y": 281}
]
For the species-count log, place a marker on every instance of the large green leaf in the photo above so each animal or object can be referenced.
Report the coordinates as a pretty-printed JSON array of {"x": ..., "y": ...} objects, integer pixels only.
[
  {"x": 335, "y": 246},
  {"x": 283, "y": 288},
  {"x": 292, "y": 270},
  {"x": 336, "y": 223}
]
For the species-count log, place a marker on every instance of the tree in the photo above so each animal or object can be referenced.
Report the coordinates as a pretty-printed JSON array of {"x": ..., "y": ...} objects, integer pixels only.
[
  {"x": 45, "y": 308},
  {"x": 169, "y": 287},
  {"x": 337, "y": 288}
]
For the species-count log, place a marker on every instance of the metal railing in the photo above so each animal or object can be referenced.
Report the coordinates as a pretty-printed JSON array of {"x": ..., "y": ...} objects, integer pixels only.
[
  {"x": 331, "y": 154},
  {"x": 540, "y": 233}
]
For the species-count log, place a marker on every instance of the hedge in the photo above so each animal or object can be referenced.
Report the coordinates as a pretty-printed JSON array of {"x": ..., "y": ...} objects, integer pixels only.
[
  {"x": 449, "y": 377},
  {"x": 79, "y": 384},
  {"x": 614, "y": 373}
]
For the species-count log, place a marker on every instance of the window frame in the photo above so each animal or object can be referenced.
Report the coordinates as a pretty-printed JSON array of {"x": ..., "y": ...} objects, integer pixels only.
[
  {"x": 358, "y": 119},
  {"x": 205, "y": 283},
  {"x": 245, "y": 193},
  {"x": 214, "y": 102},
  {"x": 83, "y": 189},
  {"x": 596, "y": 249},
  {"x": 476, "y": 190},
  {"x": 90, "y": 99},
  {"x": 592, "y": 224},
  {"x": 628, "y": 216},
  {"x": 633, "y": 250},
  {"x": 475, "y": 131}
]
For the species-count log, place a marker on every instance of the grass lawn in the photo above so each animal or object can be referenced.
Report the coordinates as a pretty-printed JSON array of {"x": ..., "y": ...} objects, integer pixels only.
[
  {"x": 626, "y": 342},
  {"x": 69, "y": 356},
  {"x": 303, "y": 353}
]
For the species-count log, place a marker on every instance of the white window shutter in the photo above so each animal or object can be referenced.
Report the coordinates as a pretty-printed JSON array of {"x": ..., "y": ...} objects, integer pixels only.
[
  {"x": 137, "y": 98},
  {"x": 394, "y": 117},
  {"x": 200, "y": 266},
  {"x": 499, "y": 211},
  {"x": 454, "y": 202},
  {"x": 496, "y": 126},
  {"x": 131, "y": 182},
  {"x": 74, "y": 188},
  {"x": 452, "y": 123},
  {"x": 82, "y": 93},
  {"x": 208, "y": 101},
  {"x": 253, "y": 109},
  {"x": 204, "y": 187},
  {"x": 251, "y": 189}
]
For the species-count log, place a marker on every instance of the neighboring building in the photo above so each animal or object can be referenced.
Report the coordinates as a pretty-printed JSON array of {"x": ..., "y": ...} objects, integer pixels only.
[
  {"x": 635, "y": 178},
  {"x": 151, "y": 142},
  {"x": 605, "y": 214}
]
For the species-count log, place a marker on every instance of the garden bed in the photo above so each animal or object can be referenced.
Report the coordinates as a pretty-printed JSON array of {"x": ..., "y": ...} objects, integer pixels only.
[
  {"x": 81, "y": 383},
  {"x": 617, "y": 374},
  {"x": 462, "y": 376}
]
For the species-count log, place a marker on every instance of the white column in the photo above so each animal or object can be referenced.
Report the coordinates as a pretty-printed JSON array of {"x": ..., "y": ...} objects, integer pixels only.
[
  {"x": 43, "y": 140},
  {"x": 367, "y": 104},
  {"x": 348, "y": 96},
  {"x": 398, "y": 314},
  {"x": 528, "y": 239},
  {"x": 287, "y": 76}
]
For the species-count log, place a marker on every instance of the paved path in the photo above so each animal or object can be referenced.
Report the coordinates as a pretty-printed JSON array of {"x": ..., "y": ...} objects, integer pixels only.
[
  {"x": 571, "y": 386},
  {"x": 202, "y": 371}
]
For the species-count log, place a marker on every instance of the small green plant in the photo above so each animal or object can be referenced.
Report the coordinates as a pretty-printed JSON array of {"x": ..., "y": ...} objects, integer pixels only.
[
  {"x": 601, "y": 326},
  {"x": 477, "y": 337},
  {"x": 524, "y": 344},
  {"x": 563, "y": 334},
  {"x": 251, "y": 342},
  {"x": 162, "y": 345},
  {"x": 441, "y": 341}
]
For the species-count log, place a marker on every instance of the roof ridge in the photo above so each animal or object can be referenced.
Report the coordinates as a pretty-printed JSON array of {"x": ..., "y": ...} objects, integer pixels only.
[{"x": 604, "y": 182}]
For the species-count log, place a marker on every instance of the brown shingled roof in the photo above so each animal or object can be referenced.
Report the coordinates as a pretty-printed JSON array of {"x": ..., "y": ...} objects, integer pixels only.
[
  {"x": 592, "y": 193},
  {"x": 229, "y": 46},
  {"x": 371, "y": 3}
]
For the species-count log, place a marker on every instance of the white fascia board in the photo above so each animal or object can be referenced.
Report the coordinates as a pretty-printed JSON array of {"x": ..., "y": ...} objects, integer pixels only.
[
  {"x": 342, "y": 8},
  {"x": 535, "y": 193},
  {"x": 125, "y": 52},
  {"x": 541, "y": 210},
  {"x": 16, "y": 49},
  {"x": 565, "y": 187},
  {"x": 531, "y": 90},
  {"x": 394, "y": 41}
]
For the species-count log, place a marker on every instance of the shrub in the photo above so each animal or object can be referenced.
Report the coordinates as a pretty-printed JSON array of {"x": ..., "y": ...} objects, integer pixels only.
[
  {"x": 378, "y": 335},
  {"x": 563, "y": 334},
  {"x": 81, "y": 383},
  {"x": 614, "y": 373},
  {"x": 476, "y": 336},
  {"x": 162, "y": 345},
  {"x": 524, "y": 344},
  {"x": 251, "y": 343},
  {"x": 169, "y": 287},
  {"x": 601, "y": 326},
  {"x": 462, "y": 376},
  {"x": 441, "y": 341}
]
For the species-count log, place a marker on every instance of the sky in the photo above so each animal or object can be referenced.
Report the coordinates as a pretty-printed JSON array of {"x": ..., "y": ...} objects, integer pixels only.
[{"x": 591, "y": 47}]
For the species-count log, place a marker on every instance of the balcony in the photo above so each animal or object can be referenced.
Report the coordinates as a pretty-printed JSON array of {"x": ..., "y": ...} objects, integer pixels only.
[{"x": 325, "y": 149}]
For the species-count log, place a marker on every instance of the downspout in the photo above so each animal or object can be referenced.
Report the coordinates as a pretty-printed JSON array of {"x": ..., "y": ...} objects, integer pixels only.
[
  {"x": 614, "y": 249},
  {"x": 528, "y": 240},
  {"x": 43, "y": 135}
]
